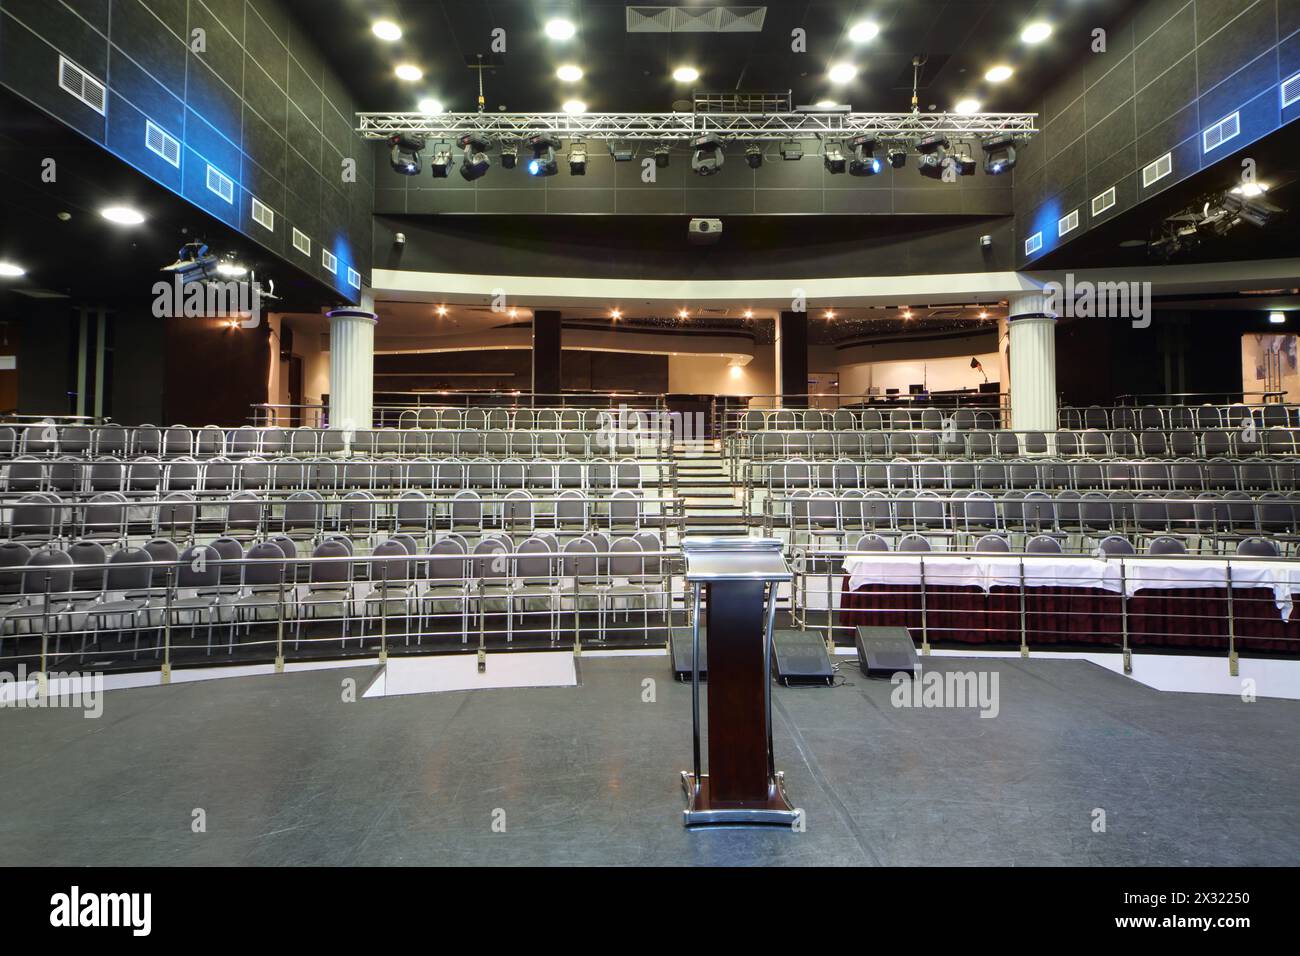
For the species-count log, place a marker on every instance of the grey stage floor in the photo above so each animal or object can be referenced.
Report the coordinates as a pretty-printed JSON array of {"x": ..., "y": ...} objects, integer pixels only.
[{"x": 287, "y": 773}]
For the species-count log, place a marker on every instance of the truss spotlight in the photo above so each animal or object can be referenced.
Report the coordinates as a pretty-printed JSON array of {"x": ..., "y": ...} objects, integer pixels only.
[
  {"x": 791, "y": 150},
  {"x": 662, "y": 157},
  {"x": 707, "y": 158},
  {"x": 194, "y": 263},
  {"x": 543, "y": 161},
  {"x": 441, "y": 163},
  {"x": 474, "y": 163},
  {"x": 754, "y": 157},
  {"x": 965, "y": 165},
  {"x": 509, "y": 157},
  {"x": 933, "y": 156},
  {"x": 577, "y": 159},
  {"x": 864, "y": 162},
  {"x": 898, "y": 158},
  {"x": 405, "y": 153},
  {"x": 999, "y": 154},
  {"x": 620, "y": 153},
  {"x": 1255, "y": 210},
  {"x": 833, "y": 159}
]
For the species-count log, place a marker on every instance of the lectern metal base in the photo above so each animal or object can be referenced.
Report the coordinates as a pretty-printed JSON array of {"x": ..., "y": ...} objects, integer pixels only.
[{"x": 702, "y": 811}]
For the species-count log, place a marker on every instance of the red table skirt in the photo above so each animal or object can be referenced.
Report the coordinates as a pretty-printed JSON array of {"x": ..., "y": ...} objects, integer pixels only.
[{"x": 1181, "y": 618}]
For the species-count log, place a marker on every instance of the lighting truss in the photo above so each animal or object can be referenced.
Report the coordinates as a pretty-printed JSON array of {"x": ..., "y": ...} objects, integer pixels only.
[{"x": 690, "y": 126}]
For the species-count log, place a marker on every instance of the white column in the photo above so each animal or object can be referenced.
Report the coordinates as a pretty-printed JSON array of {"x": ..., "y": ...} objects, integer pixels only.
[
  {"x": 1033, "y": 363},
  {"x": 352, "y": 368}
]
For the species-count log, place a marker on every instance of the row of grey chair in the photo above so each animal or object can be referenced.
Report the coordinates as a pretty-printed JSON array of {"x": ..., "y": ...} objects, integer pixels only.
[
  {"x": 1179, "y": 416},
  {"x": 1114, "y": 545}
]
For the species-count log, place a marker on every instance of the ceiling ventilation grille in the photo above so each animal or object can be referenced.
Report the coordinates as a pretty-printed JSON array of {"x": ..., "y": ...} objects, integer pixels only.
[
  {"x": 76, "y": 81},
  {"x": 163, "y": 143},
  {"x": 659, "y": 19}
]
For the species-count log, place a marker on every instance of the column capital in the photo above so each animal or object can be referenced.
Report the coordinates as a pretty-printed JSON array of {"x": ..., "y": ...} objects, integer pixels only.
[
  {"x": 352, "y": 314},
  {"x": 1029, "y": 305}
]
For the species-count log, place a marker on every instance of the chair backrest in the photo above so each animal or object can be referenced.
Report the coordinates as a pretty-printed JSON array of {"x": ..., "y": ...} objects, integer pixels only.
[
  {"x": 871, "y": 542},
  {"x": 129, "y": 571},
  {"x": 534, "y": 560},
  {"x": 231, "y": 553},
  {"x": 489, "y": 563},
  {"x": 335, "y": 573},
  {"x": 625, "y": 558},
  {"x": 580, "y": 558},
  {"x": 1258, "y": 548},
  {"x": 1166, "y": 545},
  {"x": 200, "y": 567},
  {"x": 48, "y": 568},
  {"x": 88, "y": 553},
  {"x": 913, "y": 542},
  {"x": 447, "y": 560},
  {"x": 268, "y": 566},
  {"x": 1042, "y": 544},
  {"x": 385, "y": 566},
  {"x": 1116, "y": 545},
  {"x": 992, "y": 543}
]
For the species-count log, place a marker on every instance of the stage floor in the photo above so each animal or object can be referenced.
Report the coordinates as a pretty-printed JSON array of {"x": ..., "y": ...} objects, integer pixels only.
[{"x": 285, "y": 772}]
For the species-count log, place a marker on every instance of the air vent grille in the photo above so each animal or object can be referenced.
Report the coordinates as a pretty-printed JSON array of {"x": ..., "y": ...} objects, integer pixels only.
[
  {"x": 1290, "y": 90},
  {"x": 725, "y": 19},
  {"x": 301, "y": 242},
  {"x": 1222, "y": 131},
  {"x": 1158, "y": 170},
  {"x": 1068, "y": 223},
  {"x": 263, "y": 215},
  {"x": 163, "y": 143},
  {"x": 80, "y": 84},
  {"x": 221, "y": 184},
  {"x": 1103, "y": 202},
  {"x": 1033, "y": 243}
]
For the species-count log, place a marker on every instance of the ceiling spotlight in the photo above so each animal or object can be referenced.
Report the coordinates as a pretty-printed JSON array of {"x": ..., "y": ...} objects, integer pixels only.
[
  {"x": 404, "y": 153},
  {"x": 898, "y": 158},
  {"x": 754, "y": 156},
  {"x": 683, "y": 314},
  {"x": 907, "y": 313},
  {"x": 1036, "y": 32},
  {"x": 11, "y": 270},
  {"x": 474, "y": 161},
  {"x": 999, "y": 74},
  {"x": 386, "y": 30},
  {"x": 662, "y": 156},
  {"x": 933, "y": 151},
  {"x": 559, "y": 29},
  {"x": 707, "y": 158},
  {"x": 1249, "y": 189},
  {"x": 509, "y": 157},
  {"x": 966, "y": 107},
  {"x": 841, "y": 72},
  {"x": 826, "y": 104},
  {"x": 620, "y": 152},
  {"x": 441, "y": 310},
  {"x": 1255, "y": 210},
  {"x": 569, "y": 73},
  {"x": 1277, "y": 318},
  {"x": 686, "y": 74},
  {"x": 791, "y": 150},
  {"x": 122, "y": 215},
  {"x": 999, "y": 154},
  {"x": 983, "y": 314},
  {"x": 749, "y": 313},
  {"x": 441, "y": 163},
  {"x": 577, "y": 159},
  {"x": 429, "y": 106},
  {"x": 230, "y": 268},
  {"x": 193, "y": 263},
  {"x": 864, "y": 31},
  {"x": 543, "y": 161},
  {"x": 965, "y": 165},
  {"x": 833, "y": 159},
  {"x": 829, "y": 314},
  {"x": 865, "y": 161},
  {"x": 574, "y": 107},
  {"x": 409, "y": 73},
  {"x": 615, "y": 314}
]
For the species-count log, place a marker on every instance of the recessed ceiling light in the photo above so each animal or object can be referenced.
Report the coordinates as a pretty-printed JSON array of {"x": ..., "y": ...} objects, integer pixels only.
[
  {"x": 826, "y": 104},
  {"x": 409, "y": 72},
  {"x": 569, "y": 73},
  {"x": 841, "y": 72},
  {"x": 430, "y": 107},
  {"x": 864, "y": 31},
  {"x": 686, "y": 74},
  {"x": 999, "y": 74},
  {"x": 683, "y": 314},
  {"x": 560, "y": 29},
  {"x": 387, "y": 30},
  {"x": 615, "y": 314},
  {"x": 749, "y": 313},
  {"x": 441, "y": 310},
  {"x": 966, "y": 107},
  {"x": 1036, "y": 32},
  {"x": 574, "y": 106},
  {"x": 1277, "y": 318},
  {"x": 830, "y": 314},
  {"x": 11, "y": 270},
  {"x": 122, "y": 215}
]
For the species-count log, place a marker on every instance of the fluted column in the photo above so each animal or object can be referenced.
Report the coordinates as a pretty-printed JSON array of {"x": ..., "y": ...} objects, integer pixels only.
[
  {"x": 352, "y": 368},
  {"x": 1033, "y": 363}
]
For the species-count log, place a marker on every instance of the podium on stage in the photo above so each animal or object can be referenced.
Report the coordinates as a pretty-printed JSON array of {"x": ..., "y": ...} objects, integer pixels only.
[{"x": 735, "y": 579}]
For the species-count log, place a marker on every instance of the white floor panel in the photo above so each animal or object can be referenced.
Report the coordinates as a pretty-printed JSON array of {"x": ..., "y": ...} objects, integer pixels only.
[{"x": 431, "y": 675}]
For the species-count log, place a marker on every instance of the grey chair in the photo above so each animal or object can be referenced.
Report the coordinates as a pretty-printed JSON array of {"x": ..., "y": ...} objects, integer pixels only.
[
  {"x": 329, "y": 591},
  {"x": 537, "y": 581},
  {"x": 993, "y": 544},
  {"x": 1042, "y": 544},
  {"x": 1165, "y": 545},
  {"x": 448, "y": 589},
  {"x": 1115, "y": 545},
  {"x": 394, "y": 587},
  {"x": 1258, "y": 548},
  {"x": 266, "y": 580},
  {"x": 126, "y": 601}
]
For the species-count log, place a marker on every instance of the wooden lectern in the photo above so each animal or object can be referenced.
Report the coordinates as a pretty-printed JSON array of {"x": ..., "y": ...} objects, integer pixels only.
[{"x": 737, "y": 579}]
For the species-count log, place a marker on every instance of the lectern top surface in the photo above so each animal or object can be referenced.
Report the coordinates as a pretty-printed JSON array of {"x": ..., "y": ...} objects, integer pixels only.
[{"x": 735, "y": 559}]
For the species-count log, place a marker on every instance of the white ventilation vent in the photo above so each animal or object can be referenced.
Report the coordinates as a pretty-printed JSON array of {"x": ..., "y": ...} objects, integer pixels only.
[
  {"x": 1033, "y": 243},
  {"x": 73, "y": 79},
  {"x": 1161, "y": 168},
  {"x": 329, "y": 261},
  {"x": 301, "y": 241},
  {"x": 1290, "y": 91},
  {"x": 1103, "y": 202},
  {"x": 159, "y": 141},
  {"x": 221, "y": 184},
  {"x": 725, "y": 19},
  {"x": 1068, "y": 223},
  {"x": 263, "y": 215},
  {"x": 1222, "y": 131},
  {"x": 354, "y": 278}
]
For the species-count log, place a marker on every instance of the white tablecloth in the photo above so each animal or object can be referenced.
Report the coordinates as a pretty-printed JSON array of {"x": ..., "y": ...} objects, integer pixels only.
[{"x": 988, "y": 571}]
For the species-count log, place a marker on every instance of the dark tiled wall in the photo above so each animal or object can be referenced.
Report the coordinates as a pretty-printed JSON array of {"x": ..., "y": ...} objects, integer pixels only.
[
  {"x": 778, "y": 187},
  {"x": 1172, "y": 68},
  {"x": 258, "y": 103}
]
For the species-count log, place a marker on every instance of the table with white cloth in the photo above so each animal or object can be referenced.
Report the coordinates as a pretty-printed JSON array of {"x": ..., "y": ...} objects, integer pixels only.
[{"x": 1076, "y": 599}]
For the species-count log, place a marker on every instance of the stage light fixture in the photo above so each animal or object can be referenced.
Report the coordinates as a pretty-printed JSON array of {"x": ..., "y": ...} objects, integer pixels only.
[
  {"x": 791, "y": 150},
  {"x": 577, "y": 159},
  {"x": 964, "y": 164},
  {"x": 864, "y": 31},
  {"x": 1036, "y": 32},
  {"x": 1277, "y": 318},
  {"x": 864, "y": 162},
  {"x": 707, "y": 158},
  {"x": 754, "y": 157},
  {"x": 509, "y": 157},
  {"x": 569, "y": 73},
  {"x": 932, "y": 155},
  {"x": 11, "y": 270},
  {"x": 999, "y": 154},
  {"x": 898, "y": 158},
  {"x": 999, "y": 74},
  {"x": 686, "y": 74},
  {"x": 194, "y": 263},
  {"x": 543, "y": 161},
  {"x": 474, "y": 158},
  {"x": 122, "y": 215},
  {"x": 386, "y": 30},
  {"x": 833, "y": 159},
  {"x": 441, "y": 311},
  {"x": 662, "y": 157},
  {"x": 408, "y": 72},
  {"x": 560, "y": 29},
  {"x": 1255, "y": 210},
  {"x": 441, "y": 163},
  {"x": 404, "y": 155},
  {"x": 620, "y": 153}
]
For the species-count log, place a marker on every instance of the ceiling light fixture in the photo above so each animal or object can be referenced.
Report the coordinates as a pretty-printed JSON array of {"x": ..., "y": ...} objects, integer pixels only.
[
  {"x": 966, "y": 107},
  {"x": 841, "y": 72},
  {"x": 1036, "y": 32},
  {"x": 1277, "y": 318},
  {"x": 864, "y": 31},
  {"x": 686, "y": 74},
  {"x": 386, "y": 30},
  {"x": 999, "y": 74},
  {"x": 409, "y": 72},
  {"x": 615, "y": 314},
  {"x": 441, "y": 310},
  {"x": 560, "y": 29},
  {"x": 122, "y": 215},
  {"x": 707, "y": 158},
  {"x": 573, "y": 107},
  {"x": 11, "y": 270},
  {"x": 569, "y": 73},
  {"x": 429, "y": 106},
  {"x": 404, "y": 155}
]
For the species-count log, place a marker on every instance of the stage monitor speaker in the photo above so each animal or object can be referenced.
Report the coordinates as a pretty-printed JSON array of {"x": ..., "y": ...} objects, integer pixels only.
[
  {"x": 884, "y": 651},
  {"x": 800, "y": 658},
  {"x": 680, "y": 645}
]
